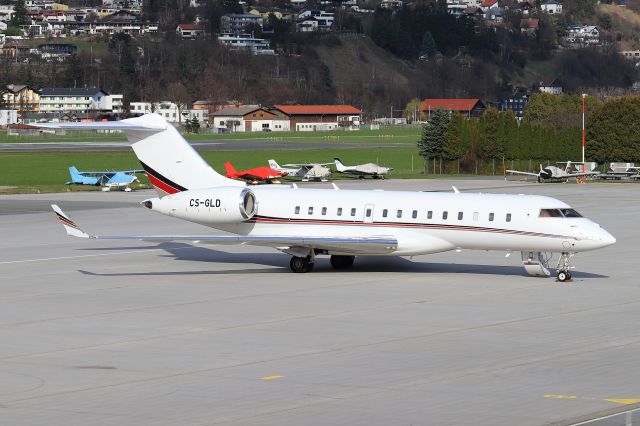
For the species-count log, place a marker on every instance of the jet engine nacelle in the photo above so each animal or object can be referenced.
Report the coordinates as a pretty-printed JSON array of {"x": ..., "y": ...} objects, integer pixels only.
[{"x": 207, "y": 206}]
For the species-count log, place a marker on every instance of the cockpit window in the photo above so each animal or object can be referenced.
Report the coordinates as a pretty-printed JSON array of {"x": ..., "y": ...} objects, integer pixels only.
[
  {"x": 559, "y": 213},
  {"x": 570, "y": 213}
]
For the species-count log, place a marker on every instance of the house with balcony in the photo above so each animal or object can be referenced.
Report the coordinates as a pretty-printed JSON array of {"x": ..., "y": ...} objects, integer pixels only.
[
  {"x": 468, "y": 107},
  {"x": 234, "y": 23},
  {"x": 79, "y": 101},
  {"x": 257, "y": 46}
]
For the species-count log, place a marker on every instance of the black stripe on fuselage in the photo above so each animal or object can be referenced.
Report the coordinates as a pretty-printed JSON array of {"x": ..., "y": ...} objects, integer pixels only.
[
  {"x": 438, "y": 226},
  {"x": 162, "y": 178}
]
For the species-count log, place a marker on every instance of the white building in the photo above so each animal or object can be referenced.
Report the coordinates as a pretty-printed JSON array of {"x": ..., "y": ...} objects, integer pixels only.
[
  {"x": 551, "y": 7},
  {"x": 250, "y": 118},
  {"x": 582, "y": 35},
  {"x": 554, "y": 87},
  {"x": 8, "y": 116},
  {"x": 78, "y": 100},
  {"x": 170, "y": 111},
  {"x": 257, "y": 46}
]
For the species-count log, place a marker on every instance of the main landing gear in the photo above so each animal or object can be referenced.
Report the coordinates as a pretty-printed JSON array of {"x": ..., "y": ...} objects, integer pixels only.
[
  {"x": 301, "y": 264},
  {"x": 305, "y": 264},
  {"x": 563, "y": 267}
]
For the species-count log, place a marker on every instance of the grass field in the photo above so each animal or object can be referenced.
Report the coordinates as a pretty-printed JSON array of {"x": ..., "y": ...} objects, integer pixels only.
[
  {"x": 47, "y": 171},
  {"x": 391, "y": 134}
]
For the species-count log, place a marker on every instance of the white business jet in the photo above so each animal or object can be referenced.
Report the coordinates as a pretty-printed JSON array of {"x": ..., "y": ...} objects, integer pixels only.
[{"x": 305, "y": 223}]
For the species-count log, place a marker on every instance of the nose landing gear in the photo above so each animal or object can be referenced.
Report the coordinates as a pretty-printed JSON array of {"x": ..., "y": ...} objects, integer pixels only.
[{"x": 564, "y": 266}]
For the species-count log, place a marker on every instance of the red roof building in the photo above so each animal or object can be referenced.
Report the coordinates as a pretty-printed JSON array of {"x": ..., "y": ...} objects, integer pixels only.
[
  {"x": 470, "y": 107},
  {"x": 488, "y": 3},
  {"x": 321, "y": 117}
]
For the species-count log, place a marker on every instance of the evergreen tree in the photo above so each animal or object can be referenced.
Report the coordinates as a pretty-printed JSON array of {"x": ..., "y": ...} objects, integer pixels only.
[
  {"x": 455, "y": 146},
  {"x": 20, "y": 15},
  {"x": 434, "y": 134},
  {"x": 428, "y": 47}
]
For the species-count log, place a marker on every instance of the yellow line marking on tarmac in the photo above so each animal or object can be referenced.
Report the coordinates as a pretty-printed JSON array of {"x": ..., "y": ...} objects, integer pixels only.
[
  {"x": 624, "y": 401},
  {"x": 271, "y": 377}
]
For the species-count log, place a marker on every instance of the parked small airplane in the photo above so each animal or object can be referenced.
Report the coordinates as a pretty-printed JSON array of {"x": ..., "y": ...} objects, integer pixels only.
[
  {"x": 254, "y": 175},
  {"x": 306, "y": 223},
  {"x": 108, "y": 180},
  {"x": 554, "y": 173},
  {"x": 308, "y": 171},
  {"x": 362, "y": 170}
]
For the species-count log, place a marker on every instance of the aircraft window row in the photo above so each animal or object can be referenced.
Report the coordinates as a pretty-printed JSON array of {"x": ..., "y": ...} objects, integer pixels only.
[
  {"x": 559, "y": 213},
  {"x": 445, "y": 214}
]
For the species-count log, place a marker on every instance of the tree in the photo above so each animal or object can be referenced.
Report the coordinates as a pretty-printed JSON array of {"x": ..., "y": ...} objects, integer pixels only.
[
  {"x": 412, "y": 110},
  {"x": 613, "y": 131},
  {"x": 192, "y": 125},
  {"x": 434, "y": 135},
  {"x": 456, "y": 144},
  {"x": 20, "y": 15},
  {"x": 428, "y": 47}
]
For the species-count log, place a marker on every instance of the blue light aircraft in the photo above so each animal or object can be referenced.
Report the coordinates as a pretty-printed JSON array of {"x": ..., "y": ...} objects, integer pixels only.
[{"x": 108, "y": 180}]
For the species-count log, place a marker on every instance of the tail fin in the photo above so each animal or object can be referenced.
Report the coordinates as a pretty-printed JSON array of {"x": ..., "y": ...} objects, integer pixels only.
[
  {"x": 231, "y": 171},
  {"x": 75, "y": 174},
  {"x": 339, "y": 165},
  {"x": 171, "y": 164},
  {"x": 274, "y": 165}
]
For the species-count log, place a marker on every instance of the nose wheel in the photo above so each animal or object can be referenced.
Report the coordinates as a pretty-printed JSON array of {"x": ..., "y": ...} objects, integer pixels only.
[{"x": 564, "y": 265}]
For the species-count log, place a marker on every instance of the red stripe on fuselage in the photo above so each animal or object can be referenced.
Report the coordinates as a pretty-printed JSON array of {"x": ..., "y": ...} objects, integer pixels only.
[{"x": 161, "y": 185}]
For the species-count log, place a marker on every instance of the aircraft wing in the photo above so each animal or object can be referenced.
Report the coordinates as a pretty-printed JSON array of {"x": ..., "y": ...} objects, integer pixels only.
[
  {"x": 149, "y": 123},
  {"x": 518, "y": 172},
  {"x": 354, "y": 245},
  {"x": 309, "y": 165},
  {"x": 577, "y": 175}
]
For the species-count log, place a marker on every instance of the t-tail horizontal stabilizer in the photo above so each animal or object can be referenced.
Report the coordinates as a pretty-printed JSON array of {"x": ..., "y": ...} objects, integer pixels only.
[{"x": 69, "y": 225}]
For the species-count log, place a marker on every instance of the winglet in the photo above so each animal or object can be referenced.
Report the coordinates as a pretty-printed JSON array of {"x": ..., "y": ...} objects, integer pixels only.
[
  {"x": 69, "y": 225},
  {"x": 455, "y": 189}
]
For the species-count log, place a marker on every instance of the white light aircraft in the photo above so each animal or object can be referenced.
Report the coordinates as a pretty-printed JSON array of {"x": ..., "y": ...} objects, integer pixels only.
[
  {"x": 308, "y": 171},
  {"x": 556, "y": 173},
  {"x": 362, "y": 170},
  {"x": 305, "y": 223}
]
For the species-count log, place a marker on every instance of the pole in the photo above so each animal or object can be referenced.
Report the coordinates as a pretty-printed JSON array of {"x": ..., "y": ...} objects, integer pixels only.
[{"x": 583, "y": 96}]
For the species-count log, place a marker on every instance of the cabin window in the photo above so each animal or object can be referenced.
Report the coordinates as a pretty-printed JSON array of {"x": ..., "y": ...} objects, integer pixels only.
[
  {"x": 339, "y": 211},
  {"x": 414, "y": 215},
  {"x": 297, "y": 210},
  {"x": 310, "y": 210},
  {"x": 353, "y": 212},
  {"x": 508, "y": 217},
  {"x": 324, "y": 211},
  {"x": 475, "y": 216},
  {"x": 491, "y": 217},
  {"x": 429, "y": 214},
  {"x": 444, "y": 215},
  {"x": 460, "y": 215},
  {"x": 384, "y": 213},
  {"x": 368, "y": 213},
  {"x": 399, "y": 214}
]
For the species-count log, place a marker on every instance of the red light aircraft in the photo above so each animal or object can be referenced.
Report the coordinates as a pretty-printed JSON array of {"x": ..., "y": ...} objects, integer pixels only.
[{"x": 253, "y": 175}]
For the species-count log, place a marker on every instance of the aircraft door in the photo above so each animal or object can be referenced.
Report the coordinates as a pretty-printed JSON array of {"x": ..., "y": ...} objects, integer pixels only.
[{"x": 368, "y": 213}]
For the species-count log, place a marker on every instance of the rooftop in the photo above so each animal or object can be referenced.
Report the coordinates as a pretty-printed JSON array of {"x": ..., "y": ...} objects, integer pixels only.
[
  {"x": 449, "y": 104},
  {"x": 318, "y": 109}
]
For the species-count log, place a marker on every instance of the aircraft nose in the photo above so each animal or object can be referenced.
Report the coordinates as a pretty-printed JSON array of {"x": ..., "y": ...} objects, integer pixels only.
[{"x": 606, "y": 238}]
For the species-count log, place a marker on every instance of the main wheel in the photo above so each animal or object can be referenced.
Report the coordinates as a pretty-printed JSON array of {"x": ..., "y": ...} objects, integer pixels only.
[
  {"x": 342, "y": 262},
  {"x": 564, "y": 276},
  {"x": 300, "y": 264}
]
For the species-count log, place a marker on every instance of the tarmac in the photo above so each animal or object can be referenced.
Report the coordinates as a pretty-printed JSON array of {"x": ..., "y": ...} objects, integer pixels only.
[{"x": 131, "y": 333}]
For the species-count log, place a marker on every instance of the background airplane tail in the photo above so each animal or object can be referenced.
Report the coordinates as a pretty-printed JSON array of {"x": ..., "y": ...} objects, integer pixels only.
[
  {"x": 231, "y": 171},
  {"x": 75, "y": 174},
  {"x": 274, "y": 165},
  {"x": 339, "y": 165}
]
